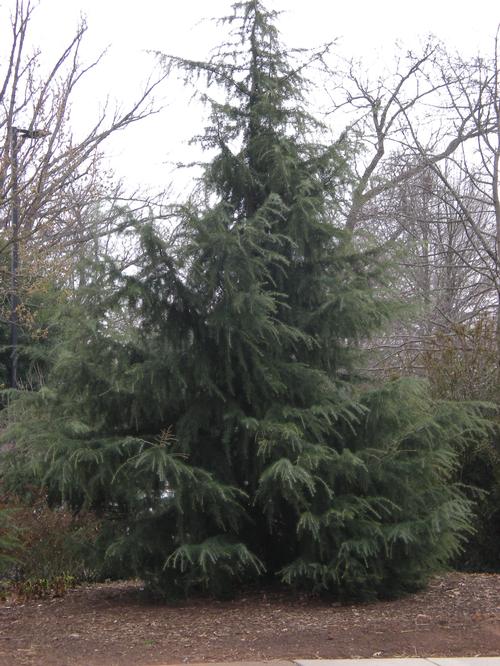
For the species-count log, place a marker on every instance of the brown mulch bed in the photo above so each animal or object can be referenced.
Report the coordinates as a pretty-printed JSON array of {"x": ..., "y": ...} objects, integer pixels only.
[{"x": 113, "y": 624}]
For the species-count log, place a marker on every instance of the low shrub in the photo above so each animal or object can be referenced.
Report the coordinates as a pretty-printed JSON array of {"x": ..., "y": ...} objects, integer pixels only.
[
  {"x": 9, "y": 540},
  {"x": 49, "y": 549},
  {"x": 39, "y": 588}
]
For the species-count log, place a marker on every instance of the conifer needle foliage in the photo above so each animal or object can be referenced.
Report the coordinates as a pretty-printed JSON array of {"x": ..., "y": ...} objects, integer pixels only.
[{"x": 210, "y": 402}]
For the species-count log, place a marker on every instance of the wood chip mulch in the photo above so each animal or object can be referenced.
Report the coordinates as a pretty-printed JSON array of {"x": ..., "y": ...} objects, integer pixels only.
[{"x": 115, "y": 625}]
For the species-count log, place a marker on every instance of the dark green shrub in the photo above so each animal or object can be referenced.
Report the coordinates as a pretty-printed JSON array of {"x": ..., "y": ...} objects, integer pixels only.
[{"x": 462, "y": 364}]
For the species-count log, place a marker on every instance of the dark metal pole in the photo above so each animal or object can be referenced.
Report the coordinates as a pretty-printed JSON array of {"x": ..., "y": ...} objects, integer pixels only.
[{"x": 14, "y": 293}]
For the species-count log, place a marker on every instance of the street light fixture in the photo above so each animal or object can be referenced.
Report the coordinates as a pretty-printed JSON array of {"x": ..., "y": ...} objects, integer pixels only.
[{"x": 16, "y": 133}]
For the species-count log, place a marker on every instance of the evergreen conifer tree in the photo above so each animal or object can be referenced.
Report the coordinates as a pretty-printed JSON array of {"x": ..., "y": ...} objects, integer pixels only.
[{"x": 211, "y": 401}]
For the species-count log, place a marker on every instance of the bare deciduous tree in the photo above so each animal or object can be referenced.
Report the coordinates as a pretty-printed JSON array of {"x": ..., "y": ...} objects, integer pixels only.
[
  {"x": 427, "y": 178},
  {"x": 45, "y": 173}
]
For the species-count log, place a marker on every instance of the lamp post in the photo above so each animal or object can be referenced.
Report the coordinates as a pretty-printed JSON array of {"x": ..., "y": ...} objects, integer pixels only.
[{"x": 16, "y": 133}]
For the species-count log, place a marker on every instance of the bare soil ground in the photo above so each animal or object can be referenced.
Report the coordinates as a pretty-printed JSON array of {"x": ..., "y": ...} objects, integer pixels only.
[{"x": 113, "y": 624}]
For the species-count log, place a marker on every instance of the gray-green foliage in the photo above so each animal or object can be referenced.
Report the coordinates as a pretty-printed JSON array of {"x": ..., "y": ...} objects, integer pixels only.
[{"x": 237, "y": 339}]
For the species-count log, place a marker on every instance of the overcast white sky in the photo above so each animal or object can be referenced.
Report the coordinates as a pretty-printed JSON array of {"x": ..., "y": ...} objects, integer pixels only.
[{"x": 128, "y": 28}]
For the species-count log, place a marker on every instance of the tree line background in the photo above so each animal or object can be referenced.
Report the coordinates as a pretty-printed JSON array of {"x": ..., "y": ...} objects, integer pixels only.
[{"x": 229, "y": 387}]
